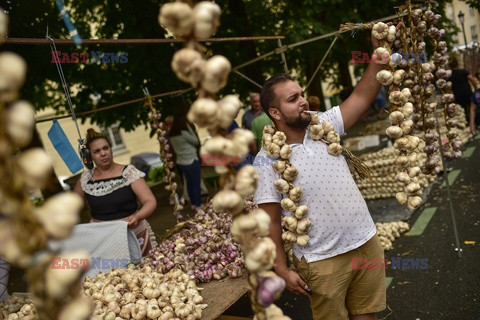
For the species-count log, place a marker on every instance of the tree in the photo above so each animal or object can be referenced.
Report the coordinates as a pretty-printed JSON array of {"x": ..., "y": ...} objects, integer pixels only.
[{"x": 149, "y": 64}]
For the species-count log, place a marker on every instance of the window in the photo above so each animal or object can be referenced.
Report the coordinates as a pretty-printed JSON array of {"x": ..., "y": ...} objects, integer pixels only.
[
  {"x": 471, "y": 11},
  {"x": 114, "y": 135},
  {"x": 473, "y": 31},
  {"x": 450, "y": 12},
  {"x": 454, "y": 38}
]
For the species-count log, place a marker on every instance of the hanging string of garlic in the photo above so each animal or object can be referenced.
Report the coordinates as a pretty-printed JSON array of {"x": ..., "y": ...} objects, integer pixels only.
[
  {"x": 440, "y": 57},
  {"x": 208, "y": 77},
  {"x": 167, "y": 157},
  {"x": 400, "y": 111},
  {"x": 24, "y": 230}
]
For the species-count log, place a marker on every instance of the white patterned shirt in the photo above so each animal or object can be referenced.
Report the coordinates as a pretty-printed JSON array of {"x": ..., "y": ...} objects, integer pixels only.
[{"x": 340, "y": 218}]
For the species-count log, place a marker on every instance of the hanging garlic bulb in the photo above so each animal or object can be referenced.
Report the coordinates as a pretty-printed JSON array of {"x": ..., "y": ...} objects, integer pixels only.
[
  {"x": 188, "y": 65},
  {"x": 20, "y": 122},
  {"x": 206, "y": 15},
  {"x": 217, "y": 69},
  {"x": 176, "y": 17}
]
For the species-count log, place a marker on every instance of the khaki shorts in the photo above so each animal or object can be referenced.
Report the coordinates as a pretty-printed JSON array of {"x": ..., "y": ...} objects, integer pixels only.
[{"x": 340, "y": 289}]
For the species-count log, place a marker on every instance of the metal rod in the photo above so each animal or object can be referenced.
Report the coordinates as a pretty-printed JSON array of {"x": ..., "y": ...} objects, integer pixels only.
[
  {"x": 321, "y": 62},
  {"x": 445, "y": 176},
  {"x": 282, "y": 54},
  {"x": 134, "y": 41},
  {"x": 247, "y": 78},
  {"x": 121, "y": 104}
]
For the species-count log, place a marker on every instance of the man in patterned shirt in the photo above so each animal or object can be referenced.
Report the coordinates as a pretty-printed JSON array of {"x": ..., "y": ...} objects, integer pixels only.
[{"x": 342, "y": 229}]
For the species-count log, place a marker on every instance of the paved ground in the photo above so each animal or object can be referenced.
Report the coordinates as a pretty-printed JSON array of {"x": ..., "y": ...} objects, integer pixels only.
[{"x": 448, "y": 289}]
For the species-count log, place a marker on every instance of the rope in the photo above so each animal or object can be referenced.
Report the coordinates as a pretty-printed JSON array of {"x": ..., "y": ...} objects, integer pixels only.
[
  {"x": 81, "y": 141},
  {"x": 321, "y": 62}
]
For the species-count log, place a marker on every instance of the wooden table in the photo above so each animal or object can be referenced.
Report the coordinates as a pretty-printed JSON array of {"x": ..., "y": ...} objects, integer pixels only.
[{"x": 221, "y": 294}]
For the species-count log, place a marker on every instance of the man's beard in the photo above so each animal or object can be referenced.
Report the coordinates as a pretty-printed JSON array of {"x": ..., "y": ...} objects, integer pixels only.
[{"x": 297, "y": 122}]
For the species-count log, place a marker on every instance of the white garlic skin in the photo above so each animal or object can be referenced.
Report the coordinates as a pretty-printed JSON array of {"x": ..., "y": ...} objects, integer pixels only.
[
  {"x": 13, "y": 70},
  {"x": 176, "y": 17},
  {"x": 206, "y": 15},
  {"x": 60, "y": 213},
  {"x": 36, "y": 167},
  {"x": 216, "y": 73},
  {"x": 20, "y": 123},
  {"x": 188, "y": 65}
]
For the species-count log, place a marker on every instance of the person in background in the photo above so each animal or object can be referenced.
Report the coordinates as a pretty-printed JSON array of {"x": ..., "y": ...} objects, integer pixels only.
[
  {"x": 314, "y": 103},
  {"x": 252, "y": 113},
  {"x": 112, "y": 191},
  {"x": 186, "y": 145},
  {"x": 474, "y": 121},
  {"x": 380, "y": 103},
  {"x": 257, "y": 128},
  {"x": 461, "y": 80}
]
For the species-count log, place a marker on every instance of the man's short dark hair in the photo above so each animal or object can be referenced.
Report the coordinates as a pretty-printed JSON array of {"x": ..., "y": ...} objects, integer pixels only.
[{"x": 267, "y": 95}]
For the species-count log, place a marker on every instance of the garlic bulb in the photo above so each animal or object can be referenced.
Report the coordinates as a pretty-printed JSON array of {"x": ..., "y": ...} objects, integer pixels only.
[
  {"x": 77, "y": 309},
  {"x": 13, "y": 70},
  {"x": 206, "y": 15},
  {"x": 332, "y": 136},
  {"x": 394, "y": 132},
  {"x": 301, "y": 212},
  {"x": 302, "y": 240},
  {"x": 262, "y": 256},
  {"x": 20, "y": 122},
  {"x": 228, "y": 201},
  {"x": 334, "y": 149},
  {"x": 286, "y": 151},
  {"x": 290, "y": 173},
  {"x": 290, "y": 223},
  {"x": 203, "y": 112},
  {"x": 216, "y": 73},
  {"x": 279, "y": 166},
  {"x": 60, "y": 213},
  {"x": 59, "y": 280},
  {"x": 281, "y": 185},
  {"x": 380, "y": 30},
  {"x": 327, "y": 127},
  {"x": 398, "y": 76},
  {"x": 295, "y": 194},
  {"x": 288, "y": 205},
  {"x": 246, "y": 181},
  {"x": 36, "y": 166},
  {"x": 188, "y": 65},
  {"x": 228, "y": 108},
  {"x": 177, "y": 17},
  {"x": 381, "y": 56},
  {"x": 385, "y": 77}
]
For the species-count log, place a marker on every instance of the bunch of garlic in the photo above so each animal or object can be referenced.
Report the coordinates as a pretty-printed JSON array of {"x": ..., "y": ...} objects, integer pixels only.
[
  {"x": 387, "y": 177},
  {"x": 167, "y": 157},
  {"x": 25, "y": 230},
  {"x": 387, "y": 232},
  {"x": 183, "y": 21},
  {"x": 209, "y": 76},
  {"x": 440, "y": 57},
  {"x": 325, "y": 132},
  {"x": 199, "y": 22},
  {"x": 296, "y": 225},
  {"x": 26, "y": 312},
  {"x": 14, "y": 304},
  {"x": 400, "y": 112},
  {"x": 204, "y": 249},
  {"x": 142, "y": 293}
]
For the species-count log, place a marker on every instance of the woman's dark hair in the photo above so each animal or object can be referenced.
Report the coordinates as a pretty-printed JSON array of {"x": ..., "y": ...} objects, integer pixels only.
[
  {"x": 179, "y": 124},
  {"x": 267, "y": 94},
  {"x": 93, "y": 135}
]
